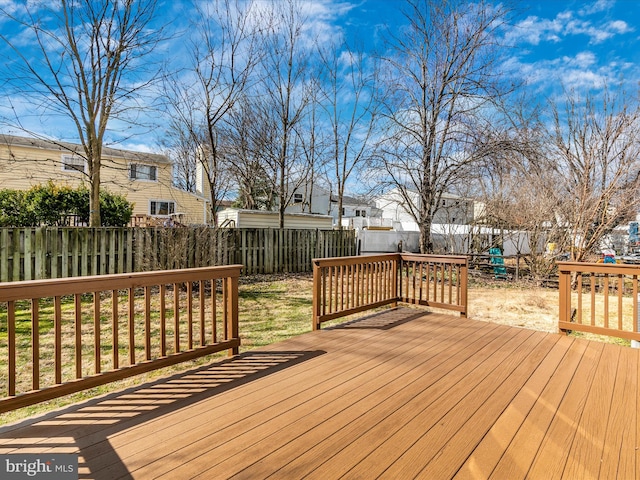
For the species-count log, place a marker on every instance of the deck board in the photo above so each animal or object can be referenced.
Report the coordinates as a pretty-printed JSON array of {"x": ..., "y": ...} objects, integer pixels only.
[{"x": 401, "y": 394}]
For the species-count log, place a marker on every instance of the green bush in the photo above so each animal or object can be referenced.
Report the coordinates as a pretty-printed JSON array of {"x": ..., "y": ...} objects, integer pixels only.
[
  {"x": 115, "y": 210},
  {"x": 14, "y": 210},
  {"x": 50, "y": 205}
]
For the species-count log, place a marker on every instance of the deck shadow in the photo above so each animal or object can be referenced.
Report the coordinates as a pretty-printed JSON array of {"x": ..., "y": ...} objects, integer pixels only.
[
  {"x": 385, "y": 320},
  {"x": 83, "y": 425}
]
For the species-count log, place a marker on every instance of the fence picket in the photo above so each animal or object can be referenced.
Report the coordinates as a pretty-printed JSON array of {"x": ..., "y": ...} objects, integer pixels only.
[{"x": 60, "y": 252}]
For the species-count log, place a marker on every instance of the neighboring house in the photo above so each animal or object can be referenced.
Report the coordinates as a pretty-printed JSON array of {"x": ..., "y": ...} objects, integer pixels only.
[
  {"x": 351, "y": 208},
  {"x": 323, "y": 202},
  {"x": 145, "y": 179},
  {"x": 453, "y": 210},
  {"x": 309, "y": 200},
  {"x": 357, "y": 213}
]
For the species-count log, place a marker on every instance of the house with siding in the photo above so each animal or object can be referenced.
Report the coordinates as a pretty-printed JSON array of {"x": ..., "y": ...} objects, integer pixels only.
[
  {"x": 452, "y": 209},
  {"x": 356, "y": 213},
  {"x": 145, "y": 179}
]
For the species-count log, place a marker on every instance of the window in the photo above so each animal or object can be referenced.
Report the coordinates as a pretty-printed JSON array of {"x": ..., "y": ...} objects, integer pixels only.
[
  {"x": 138, "y": 171},
  {"x": 72, "y": 163},
  {"x": 297, "y": 198},
  {"x": 162, "y": 207},
  {"x": 357, "y": 213},
  {"x": 361, "y": 213}
]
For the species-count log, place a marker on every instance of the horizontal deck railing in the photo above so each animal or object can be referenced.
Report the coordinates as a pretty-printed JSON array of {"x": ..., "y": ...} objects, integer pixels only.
[
  {"x": 434, "y": 281},
  {"x": 599, "y": 298},
  {"x": 348, "y": 285},
  {"x": 62, "y": 336}
]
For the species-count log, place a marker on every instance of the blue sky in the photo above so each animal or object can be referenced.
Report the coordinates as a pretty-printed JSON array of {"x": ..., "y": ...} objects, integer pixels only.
[{"x": 581, "y": 44}]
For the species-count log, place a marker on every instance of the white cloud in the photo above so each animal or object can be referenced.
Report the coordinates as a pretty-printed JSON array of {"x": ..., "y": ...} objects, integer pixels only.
[
  {"x": 597, "y": 7},
  {"x": 619, "y": 26},
  {"x": 582, "y": 60},
  {"x": 580, "y": 71},
  {"x": 534, "y": 30}
]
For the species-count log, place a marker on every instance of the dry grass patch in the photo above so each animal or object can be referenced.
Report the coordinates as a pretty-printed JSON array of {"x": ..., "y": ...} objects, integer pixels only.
[{"x": 535, "y": 308}]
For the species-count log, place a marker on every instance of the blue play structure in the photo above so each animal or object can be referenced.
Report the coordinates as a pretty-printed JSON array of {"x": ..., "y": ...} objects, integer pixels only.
[{"x": 499, "y": 270}]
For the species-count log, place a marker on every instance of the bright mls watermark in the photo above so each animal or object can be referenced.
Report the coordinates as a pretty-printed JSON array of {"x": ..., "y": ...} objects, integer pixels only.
[{"x": 61, "y": 466}]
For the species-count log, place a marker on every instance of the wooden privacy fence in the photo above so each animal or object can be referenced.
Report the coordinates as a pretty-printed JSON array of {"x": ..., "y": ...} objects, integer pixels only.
[
  {"x": 67, "y": 335},
  {"x": 61, "y": 252},
  {"x": 348, "y": 285},
  {"x": 599, "y": 298}
]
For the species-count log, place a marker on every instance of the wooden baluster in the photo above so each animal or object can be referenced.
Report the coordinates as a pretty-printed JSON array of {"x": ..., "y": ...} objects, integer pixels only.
[
  {"x": 115, "y": 339},
  {"x": 11, "y": 344},
  {"x": 57, "y": 332},
  {"x": 147, "y": 322},
  {"x": 78, "y": 333},
  {"x": 163, "y": 320},
  {"x": 96, "y": 332},
  {"x": 35, "y": 343}
]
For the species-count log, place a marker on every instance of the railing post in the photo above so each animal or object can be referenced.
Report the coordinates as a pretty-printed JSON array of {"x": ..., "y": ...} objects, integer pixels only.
[
  {"x": 564, "y": 289},
  {"x": 399, "y": 271},
  {"x": 396, "y": 278},
  {"x": 232, "y": 312},
  {"x": 464, "y": 275},
  {"x": 317, "y": 291}
]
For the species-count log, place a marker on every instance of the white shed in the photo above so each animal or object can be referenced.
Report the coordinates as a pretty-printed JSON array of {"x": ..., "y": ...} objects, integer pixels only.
[{"x": 234, "y": 217}]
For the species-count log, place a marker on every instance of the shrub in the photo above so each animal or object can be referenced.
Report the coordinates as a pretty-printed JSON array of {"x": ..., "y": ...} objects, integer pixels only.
[
  {"x": 115, "y": 210},
  {"x": 50, "y": 205}
]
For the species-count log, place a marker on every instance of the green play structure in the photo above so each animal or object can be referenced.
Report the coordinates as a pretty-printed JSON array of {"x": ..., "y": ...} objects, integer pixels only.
[{"x": 499, "y": 270}]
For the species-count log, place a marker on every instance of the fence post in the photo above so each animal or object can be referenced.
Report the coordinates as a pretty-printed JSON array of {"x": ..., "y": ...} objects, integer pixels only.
[{"x": 41, "y": 254}]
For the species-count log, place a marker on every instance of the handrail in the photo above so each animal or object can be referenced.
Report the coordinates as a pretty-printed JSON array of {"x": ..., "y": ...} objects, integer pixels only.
[
  {"x": 611, "y": 304},
  {"x": 129, "y": 324},
  {"x": 348, "y": 285},
  {"x": 435, "y": 281}
]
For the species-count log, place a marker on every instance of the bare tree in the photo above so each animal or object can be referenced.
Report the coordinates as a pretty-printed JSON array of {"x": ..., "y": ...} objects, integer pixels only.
[
  {"x": 180, "y": 147},
  {"x": 351, "y": 107},
  {"x": 441, "y": 77},
  {"x": 285, "y": 96},
  {"x": 84, "y": 63},
  {"x": 248, "y": 139},
  {"x": 313, "y": 145},
  {"x": 595, "y": 150},
  {"x": 223, "y": 49}
]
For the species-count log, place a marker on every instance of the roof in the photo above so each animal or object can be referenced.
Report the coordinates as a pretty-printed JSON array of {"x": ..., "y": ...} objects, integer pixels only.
[
  {"x": 346, "y": 200},
  {"x": 43, "y": 144}
]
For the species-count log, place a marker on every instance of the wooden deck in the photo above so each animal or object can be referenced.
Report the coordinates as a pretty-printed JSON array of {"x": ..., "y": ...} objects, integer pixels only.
[{"x": 402, "y": 394}]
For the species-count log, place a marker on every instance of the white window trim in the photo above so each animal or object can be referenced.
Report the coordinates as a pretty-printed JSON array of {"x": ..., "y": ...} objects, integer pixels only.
[
  {"x": 69, "y": 156},
  {"x": 142, "y": 179},
  {"x": 175, "y": 205}
]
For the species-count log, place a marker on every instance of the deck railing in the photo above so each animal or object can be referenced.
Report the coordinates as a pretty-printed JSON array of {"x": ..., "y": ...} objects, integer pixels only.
[
  {"x": 67, "y": 335},
  {"x": 434, "y": 281},
  {"x": 348, "y": 285},
  {"x": 599, "y": 298}
]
